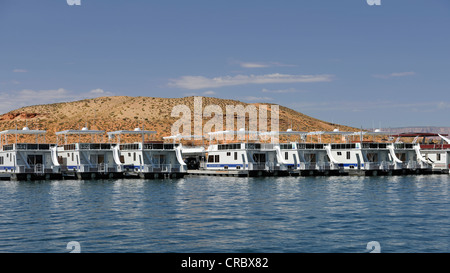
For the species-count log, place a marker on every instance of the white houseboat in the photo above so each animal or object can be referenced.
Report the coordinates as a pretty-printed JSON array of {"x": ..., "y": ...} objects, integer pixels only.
[
  {"x": 192, "y": 155},
  {"x": 354, "y": 157},
  {"x": 147, "y": 159},
  {"x": 26, "y": 161},
  {"x": 410, "y": 155},
  {"x": 371, "y": 157},
  {"x": 247, "y": 158},
  {"x": 83, "y": 155},
  {"x": 301, "y": 157},
  {"x": 434, "y": 150}
]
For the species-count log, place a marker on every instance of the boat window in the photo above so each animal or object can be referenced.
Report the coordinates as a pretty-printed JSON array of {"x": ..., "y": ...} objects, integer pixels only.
[
  {"x": 228, "y": 153},
  {"x": 1, "y": 160},
  {"x": 438, "y": 157},
  {"x": 339, "y": 153},
  {"x": 348, "y": 155},
  {"x": 286, "y": 155},
  {"x": 211, "y": 158},
  {"x": 217, "y": 158},
  {"x": 235, "y": 156}
]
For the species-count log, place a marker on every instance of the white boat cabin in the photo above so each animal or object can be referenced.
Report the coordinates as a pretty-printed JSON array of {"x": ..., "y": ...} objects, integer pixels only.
[
  {"x": 146, "y": 157},
  {"x": 25, "y": 158},
  {"x": 83, "y": 152},
  {"x": 250, "y": 156}
]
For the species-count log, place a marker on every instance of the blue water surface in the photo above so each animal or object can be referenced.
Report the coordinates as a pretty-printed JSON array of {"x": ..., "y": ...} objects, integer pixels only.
[{"x": 224, "y": 214}]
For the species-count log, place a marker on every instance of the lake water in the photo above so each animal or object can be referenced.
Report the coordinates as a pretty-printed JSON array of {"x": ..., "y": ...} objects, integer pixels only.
[{"x": 222, "y": 214}]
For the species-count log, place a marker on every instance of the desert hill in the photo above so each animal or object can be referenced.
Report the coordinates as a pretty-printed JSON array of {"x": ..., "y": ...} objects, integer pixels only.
[{"x": 126, "y": 113}]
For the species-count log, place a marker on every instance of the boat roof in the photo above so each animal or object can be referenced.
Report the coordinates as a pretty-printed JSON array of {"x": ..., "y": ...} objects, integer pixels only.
[
  {"x": 287, "y": 132},
  {"x": 183, "y": 137},
  {"x": 136, "y": 131},
  {"x": 412, "y": 134},
  {"x": 80, "y": 132},
  {"x": 233, "y": 132},
  {"x": 335, "y": 132},
  {"x": 374, "y": 133},
  {"x": 24, "y": 131}
]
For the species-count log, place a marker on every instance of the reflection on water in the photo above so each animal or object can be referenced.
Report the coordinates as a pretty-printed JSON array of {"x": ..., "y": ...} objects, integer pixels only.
[{"x": 222, "y": 214}]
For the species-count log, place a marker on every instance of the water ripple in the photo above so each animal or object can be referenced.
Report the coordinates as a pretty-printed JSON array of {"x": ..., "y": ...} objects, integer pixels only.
[{"x": 221, "y": 214}]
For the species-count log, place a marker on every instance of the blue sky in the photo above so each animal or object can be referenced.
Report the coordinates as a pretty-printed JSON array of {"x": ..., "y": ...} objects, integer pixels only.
[{"x": 340, "y": 61}]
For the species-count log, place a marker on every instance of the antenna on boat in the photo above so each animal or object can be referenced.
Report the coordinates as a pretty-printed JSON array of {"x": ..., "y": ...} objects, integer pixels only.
[
  {"x": 95, "y": 118},
  {"x": 361, "y": 136}
]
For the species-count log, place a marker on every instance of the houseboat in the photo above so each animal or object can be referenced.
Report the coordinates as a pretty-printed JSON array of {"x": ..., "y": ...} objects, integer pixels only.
[
  {"x": 371, "y": 157},
  {"x": 192, "y": 155},
  {"x": 147, "y": 159},
  {"x": 247, "y": 158},
  {"x": 366, "y": 156},
  {"x": 410, "y": 155},
  {"x": 362, "y": 156},
  {"x": 82, "y": 154},
  {"x": 433, "y": 149},
  {"x": 301, "y": 157},
  {"x": 27, "y": 160}
]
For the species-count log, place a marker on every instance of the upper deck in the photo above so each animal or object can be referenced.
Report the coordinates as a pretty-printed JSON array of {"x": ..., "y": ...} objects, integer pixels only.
[{"x": 17, "y": 135}]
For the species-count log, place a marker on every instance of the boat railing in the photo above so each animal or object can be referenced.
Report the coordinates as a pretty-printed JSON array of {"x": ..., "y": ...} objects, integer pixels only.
[
  {"x": 158, "y": 168},
  {"x": 203, "y": 165},
  {"x": 386, "y": 165},
  {"x": 412, "y": 165},
  {"x": 26, "y": 146},
  {"x": 273, "y": 166},
  {"x": 257, "y": 166},
  {"x": 148, "y": 146},
  {"x": 160, "y": 146},
  {"x": 374, "y": 145},
  {"x": 310, "y": 146},
  {"x": 91, "y": 168},
  {"x": 403, "y": 146},
  {"x": 308, "y": 166},
  {"x": 86, "y": 146},
  {"x": 434, "y": 146},
  {"x": 343, "y": 146},
  {"x": 323, "y": 166},
  {"x": 265, "y": 166},
  {"x": 259, "y": 146},
  {"x": 372, "y": 166},
  {"x": 37, "y": 168}
]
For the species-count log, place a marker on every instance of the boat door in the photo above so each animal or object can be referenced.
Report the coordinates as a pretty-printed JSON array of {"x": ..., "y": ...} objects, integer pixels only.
[
  {"x": 259, "y": 158},
  {"x": 35, "y": 159},
  {"x": 358, "y": 160},
  {"x": 97, "y": 159}
]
